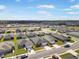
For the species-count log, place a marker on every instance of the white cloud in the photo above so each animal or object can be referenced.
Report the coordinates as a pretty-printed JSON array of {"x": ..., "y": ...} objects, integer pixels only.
[
  {"x": 44, "y": 15},
  {"x": 75, "y": 6},
  {"x": 46, "y": 6},
  {"x": 71, "y": 8},
  {"x": 72, "y": 13},
  {"x": 37, "y": 17},
  {"x": 67, "y": 9},
  {"x": 2, "y": 7}
]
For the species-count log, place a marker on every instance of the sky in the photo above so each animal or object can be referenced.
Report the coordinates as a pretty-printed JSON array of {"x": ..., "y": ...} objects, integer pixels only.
[{"x": 39, "y": 9}]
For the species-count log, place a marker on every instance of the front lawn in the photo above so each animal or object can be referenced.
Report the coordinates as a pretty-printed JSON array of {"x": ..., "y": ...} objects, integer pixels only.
[
  {"x": 18, "y": 52},
  {"x": 74, "y": 38},
  {"x": 77, "y": 51},
  {"x": 37, "y": 48},
  {"x": 71, "y": 41},
  {"x": 59, "y": 42},
  {"x": 64, "y": 56}
]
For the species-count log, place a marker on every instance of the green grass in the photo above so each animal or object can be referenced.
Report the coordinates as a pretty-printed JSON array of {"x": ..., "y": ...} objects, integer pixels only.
[
  {"x": 74, "y": 38},
  {"x": 64, "y": 56},
  {"x": 71, "y": 41},
  {"x": 2, "y": 39},
  {"x": 77, "y": 51},
  {"x": 59, "y": 42},
  {"x": 37, "y": 48},
  {"x": 15, "y": 42},
  {"x": 18, "y": 52},
  {"x": 74, "y": 27}
]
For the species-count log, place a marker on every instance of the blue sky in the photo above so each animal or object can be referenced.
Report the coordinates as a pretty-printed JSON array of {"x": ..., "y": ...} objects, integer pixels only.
[{"x": 39, "y": 9}]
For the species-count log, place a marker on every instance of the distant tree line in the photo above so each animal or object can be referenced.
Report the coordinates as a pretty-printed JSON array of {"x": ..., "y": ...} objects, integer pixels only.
[{"x": 74, "y": 22}]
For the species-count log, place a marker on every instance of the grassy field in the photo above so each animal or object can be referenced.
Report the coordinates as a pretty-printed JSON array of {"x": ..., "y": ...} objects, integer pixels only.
[
  {"x": 74, "y": 38},
  {"x": 64, "y": 56},
  {"x": 2, "y": 39},
  {"x": 77, "y": 51},
  {"x": 74, "y": 27},
  {"x": 18, "y": 52},
  {"x": 71, "y": 41},
  {"x": 59, "y": 42}
]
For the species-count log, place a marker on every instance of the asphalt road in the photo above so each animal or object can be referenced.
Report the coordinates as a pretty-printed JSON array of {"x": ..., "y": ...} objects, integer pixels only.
[{"x": 53, "y": 51}]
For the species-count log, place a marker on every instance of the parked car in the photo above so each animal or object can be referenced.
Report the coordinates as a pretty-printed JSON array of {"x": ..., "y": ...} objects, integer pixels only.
[
  {"x": 67, "y": 45},
  {"x": 24, "y": 56},
  {"x": 55, "y": 57}
]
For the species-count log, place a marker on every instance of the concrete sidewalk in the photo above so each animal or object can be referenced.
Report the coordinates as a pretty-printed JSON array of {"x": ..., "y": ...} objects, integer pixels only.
[
  {"x": 72, "y": 52},
  {"x": 56, "y": 46},
  {"x": 47, "y": 48},
  {"x": 31, "y": 52}
]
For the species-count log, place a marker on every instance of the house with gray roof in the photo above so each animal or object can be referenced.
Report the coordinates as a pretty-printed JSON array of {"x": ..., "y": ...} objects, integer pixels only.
[
  {"x": 39, "y": 33},
  {"x": 20, "y": 35},
  {"x": 50, "y": 39},
  {"x": 43, "y": 41},
  {"x": 34, "y": 40},
  {"x": 30, "y": 34},
  {"x": 1, "y": 36},
  {"x": 1, "y": 52},
  {"x": 60, "y": 37},
  {"x": 5, "y": 48},
  {"x": 25, "y": 43},
  {"x": 7, "y": 37},
  {"x": 76, "y": 34}
]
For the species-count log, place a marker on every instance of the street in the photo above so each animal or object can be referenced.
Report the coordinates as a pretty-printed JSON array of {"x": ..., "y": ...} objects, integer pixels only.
[{"x": 53, "y": 51}]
